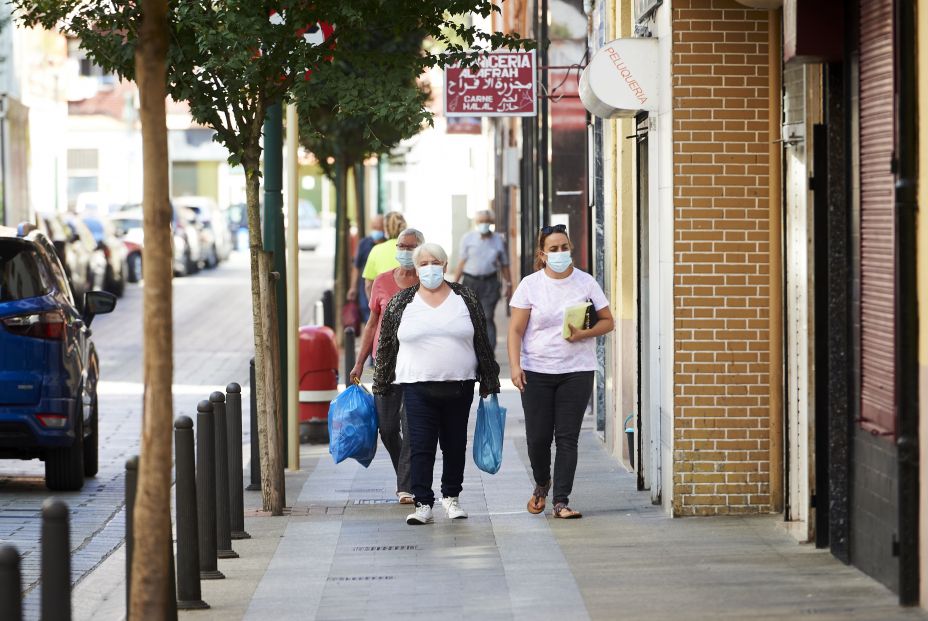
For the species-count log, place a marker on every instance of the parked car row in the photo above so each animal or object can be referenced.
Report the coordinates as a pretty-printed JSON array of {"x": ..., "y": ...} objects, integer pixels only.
[{"x": 200, "y": 238}]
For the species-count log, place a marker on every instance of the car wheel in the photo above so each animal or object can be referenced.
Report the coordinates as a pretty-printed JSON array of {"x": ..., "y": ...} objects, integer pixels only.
[
  {"x": 64, "y": 467},
  {"x": 213, "y": 258},
  {"x": 109, "y": 280},
  {"x": 190, "y": 266},
  {"x": 92, "y": 444},
  {"x": 135, "y": 267}
]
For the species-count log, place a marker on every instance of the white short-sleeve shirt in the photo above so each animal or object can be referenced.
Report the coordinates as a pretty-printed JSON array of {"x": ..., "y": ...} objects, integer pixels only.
[
  {"x": 544, "y": 348},
  {"x": 436, "y": 344}
]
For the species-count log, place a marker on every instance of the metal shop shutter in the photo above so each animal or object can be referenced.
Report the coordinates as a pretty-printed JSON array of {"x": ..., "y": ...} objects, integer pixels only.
[{"x": 877, "y": 227}]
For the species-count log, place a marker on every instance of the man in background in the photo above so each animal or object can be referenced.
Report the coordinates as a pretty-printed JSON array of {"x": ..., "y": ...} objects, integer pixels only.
[
  {"x": 357, "y": 291},
  {"x": 484, "y": 265}
]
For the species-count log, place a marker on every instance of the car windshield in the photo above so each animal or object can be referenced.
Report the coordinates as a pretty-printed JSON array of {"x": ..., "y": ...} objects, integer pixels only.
[
  {"x": 96, "y": 227},
  {"x": 127, "y": 224},
  {"x": 308, "y": 217},
  {"x": 21, "y": 274}
]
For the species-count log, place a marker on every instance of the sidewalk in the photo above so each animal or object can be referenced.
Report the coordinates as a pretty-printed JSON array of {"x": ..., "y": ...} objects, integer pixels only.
[{"x": 345, "y": 552}]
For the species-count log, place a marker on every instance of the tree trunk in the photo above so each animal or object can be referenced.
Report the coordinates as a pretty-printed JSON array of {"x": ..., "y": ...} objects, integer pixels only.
[
  {"x": 267, "y": 347},
  {"x": 361, "y": 198},
  {"x": 342, "y": 244},
  {"x": 152, "y": 526}
]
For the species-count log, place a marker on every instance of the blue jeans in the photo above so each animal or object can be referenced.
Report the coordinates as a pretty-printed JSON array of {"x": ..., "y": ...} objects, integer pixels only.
[{"x": 436, "y": 413}]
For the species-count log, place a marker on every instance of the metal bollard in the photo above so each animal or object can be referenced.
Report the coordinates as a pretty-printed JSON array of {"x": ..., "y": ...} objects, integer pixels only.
[
  {"x": 206, "y": 493},
  {"x": 221, "y": 461},
  {"x": 236, "y": 494},
  {"x": 255, "y": 468},
  {"x": 132, "y": 479},
  {"x": 56, "y": 561},
  {"x": 188, "y": 554},
  {"x": 328, "y": 308},
  {"x": 11, "y": 584},
  {"x": 350, "y": 355}
]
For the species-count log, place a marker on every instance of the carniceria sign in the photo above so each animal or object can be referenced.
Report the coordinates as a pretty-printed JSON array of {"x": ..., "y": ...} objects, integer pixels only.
[{"x": 502, "y": 84}]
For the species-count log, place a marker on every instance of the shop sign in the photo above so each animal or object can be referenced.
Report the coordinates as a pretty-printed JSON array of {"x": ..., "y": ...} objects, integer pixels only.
[
  {"x": 502, "y": 84},
  {"x": 621, "y": 79}
]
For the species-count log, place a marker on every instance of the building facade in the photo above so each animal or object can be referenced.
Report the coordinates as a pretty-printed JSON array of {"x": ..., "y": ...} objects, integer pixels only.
[{"x": 753, "y": 230}]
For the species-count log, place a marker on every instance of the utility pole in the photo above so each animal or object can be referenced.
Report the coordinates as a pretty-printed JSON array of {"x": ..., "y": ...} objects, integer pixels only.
[
  {"x": 273, "y": 227},
  {"x": 293, "y": 288}
]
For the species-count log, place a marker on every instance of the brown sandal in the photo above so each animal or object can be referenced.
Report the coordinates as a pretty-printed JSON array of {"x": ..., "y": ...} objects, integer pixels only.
[
  {"x": 561, "y": 510},
  {"x": 536, "y": 504}
]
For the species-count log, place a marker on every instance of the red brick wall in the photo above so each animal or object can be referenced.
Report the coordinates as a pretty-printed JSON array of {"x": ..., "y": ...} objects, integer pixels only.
[{"x": 721, "y": 258}]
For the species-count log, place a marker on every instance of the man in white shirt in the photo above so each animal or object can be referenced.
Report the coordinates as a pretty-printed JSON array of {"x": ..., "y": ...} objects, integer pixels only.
[{"x": 484, "y": 261}]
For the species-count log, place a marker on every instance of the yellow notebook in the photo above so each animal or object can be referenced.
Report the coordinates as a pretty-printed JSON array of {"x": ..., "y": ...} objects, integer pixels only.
[{"x": 574, "y": 316}]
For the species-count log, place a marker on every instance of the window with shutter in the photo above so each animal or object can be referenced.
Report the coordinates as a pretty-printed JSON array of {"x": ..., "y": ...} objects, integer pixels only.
[{"x": 877, "y": 228}]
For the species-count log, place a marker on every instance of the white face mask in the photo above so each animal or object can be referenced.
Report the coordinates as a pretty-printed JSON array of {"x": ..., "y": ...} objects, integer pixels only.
[
  {"x": 431, "y": 276},
  {"x": 483, "y": 228},
  {"x": 559, "y": 261},
  {"x": 404, "y": 258}
]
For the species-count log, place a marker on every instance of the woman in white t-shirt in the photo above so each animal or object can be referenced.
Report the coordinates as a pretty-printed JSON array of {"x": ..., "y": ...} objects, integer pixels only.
[
  {"x": 434, "y": 344},
  {"x": 554, "y": 374}
]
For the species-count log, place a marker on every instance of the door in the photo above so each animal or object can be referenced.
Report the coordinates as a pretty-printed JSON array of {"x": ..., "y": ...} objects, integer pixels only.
[
  {"x": 874, "y": 461},
  {"x": 645, "y": 438},
  {"x": 799, "y": 264}
]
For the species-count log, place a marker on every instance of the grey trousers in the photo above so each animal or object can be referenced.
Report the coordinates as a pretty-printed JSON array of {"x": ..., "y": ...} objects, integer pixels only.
[
  {"x": 487, "y": 291},
  {"x": 391, "y": 414}
]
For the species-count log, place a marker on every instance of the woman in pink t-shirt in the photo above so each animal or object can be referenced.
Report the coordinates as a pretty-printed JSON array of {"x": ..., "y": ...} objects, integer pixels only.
[
  {"x": 390, "y": 412},
  {"x": 554, "y": 374}
]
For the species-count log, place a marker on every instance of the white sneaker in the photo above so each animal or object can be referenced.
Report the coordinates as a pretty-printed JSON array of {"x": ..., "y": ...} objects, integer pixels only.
[
  {"x": 453, "y": 508},
  {"x": 423, "y": 515}
]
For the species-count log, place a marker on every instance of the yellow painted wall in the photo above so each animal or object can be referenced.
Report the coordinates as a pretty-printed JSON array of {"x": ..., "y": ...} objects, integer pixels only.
[
  {"x": 922, "y": 271},
  {"x": 208, "y": 179},
  {"x": 625, "y": 353}
]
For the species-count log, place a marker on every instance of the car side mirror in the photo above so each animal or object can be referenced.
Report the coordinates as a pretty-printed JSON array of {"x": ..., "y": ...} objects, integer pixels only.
[{"x": 97, "y": 303}]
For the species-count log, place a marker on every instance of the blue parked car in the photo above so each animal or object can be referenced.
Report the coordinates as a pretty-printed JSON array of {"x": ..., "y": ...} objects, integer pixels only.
[{"x": 48, "y": 365}]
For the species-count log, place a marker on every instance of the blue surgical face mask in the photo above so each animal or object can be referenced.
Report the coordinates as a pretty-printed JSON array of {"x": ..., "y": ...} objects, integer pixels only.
[
  {"x": 376, "y": 235},
  {"x": 483, "y": 228},
  {"x": 431, "y": 276},
  {"x": 404, "y": 258},
  {"x": 559, "y": 261}
]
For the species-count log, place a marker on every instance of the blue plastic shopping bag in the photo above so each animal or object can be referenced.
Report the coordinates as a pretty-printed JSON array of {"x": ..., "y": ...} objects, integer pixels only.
[
  {"x": 488, "y": 435},
  {"x": 353, "y": 426}
]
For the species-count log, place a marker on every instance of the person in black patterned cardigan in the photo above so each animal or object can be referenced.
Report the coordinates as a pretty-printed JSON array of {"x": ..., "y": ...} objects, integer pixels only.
[{"x": 434, "y": 344}]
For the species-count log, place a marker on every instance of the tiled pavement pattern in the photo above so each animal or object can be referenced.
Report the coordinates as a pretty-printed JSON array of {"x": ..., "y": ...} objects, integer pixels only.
[
  {"x": 346, "y": 553},
  {"x": 212, "y": 345}
]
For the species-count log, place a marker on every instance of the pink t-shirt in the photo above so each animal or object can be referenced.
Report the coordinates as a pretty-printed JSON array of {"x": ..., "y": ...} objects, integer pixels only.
[
  {"x": 544, "y": 349},
  {"x": 382, "y": 290}
]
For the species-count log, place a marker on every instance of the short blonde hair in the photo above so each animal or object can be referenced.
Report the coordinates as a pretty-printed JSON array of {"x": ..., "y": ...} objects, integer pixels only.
[
  {"x": 393, "y": 224},
  {"x": 431, "y": 249}
]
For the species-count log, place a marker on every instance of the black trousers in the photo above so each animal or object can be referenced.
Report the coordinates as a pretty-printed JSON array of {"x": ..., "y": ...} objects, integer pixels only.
[
  {"x": 554, "y": 404},
  {"x": 436, "y": 413},
  {"x": 391, "y": 417},
  {"x": 487, "y": 290}
]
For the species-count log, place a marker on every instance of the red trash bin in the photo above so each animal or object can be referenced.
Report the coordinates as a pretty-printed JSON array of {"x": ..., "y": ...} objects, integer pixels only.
[{"x": 318, "y": 381}]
